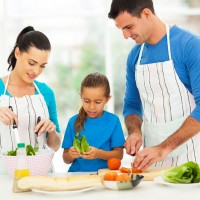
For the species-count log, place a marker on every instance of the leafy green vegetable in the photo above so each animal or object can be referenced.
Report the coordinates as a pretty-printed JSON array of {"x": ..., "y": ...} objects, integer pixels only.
[
  {"x": 185, "y": 173},
  {"x": 81, "y": 145},
  {"x": 84, "y": 144},
  {"x": 12, "y": 152},
  {"x": 30, "y": 151}
]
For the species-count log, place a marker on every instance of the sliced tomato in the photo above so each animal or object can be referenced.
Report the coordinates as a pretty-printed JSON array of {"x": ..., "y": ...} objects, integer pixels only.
[
  {"x": 135, "y": 170},
  {"x": 125, "y": 170}
]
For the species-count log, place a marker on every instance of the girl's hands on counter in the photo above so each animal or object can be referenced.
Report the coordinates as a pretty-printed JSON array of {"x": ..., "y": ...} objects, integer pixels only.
[{"x": 7, "y": 116}]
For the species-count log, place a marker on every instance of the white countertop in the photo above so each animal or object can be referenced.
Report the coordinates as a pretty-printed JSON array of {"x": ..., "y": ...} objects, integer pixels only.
[{"x": 146, "y": 190}]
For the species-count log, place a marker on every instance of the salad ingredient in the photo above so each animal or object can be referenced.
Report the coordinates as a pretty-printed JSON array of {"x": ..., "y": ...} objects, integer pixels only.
[
  {"x": 84, "y": 144},
  {"x": 110, "y": 176},
  {"x": 125, "y": 170},
  {"x": 81, "y": 145},
  {"x": 123, "y": 177},
  {"x": 135, "y": 170},
  {"x": 12, "y": 152},
  {"x": 185, "y": 173},
  {"x": 30, "y": 151},
  {"x": 114, "y": 163}
]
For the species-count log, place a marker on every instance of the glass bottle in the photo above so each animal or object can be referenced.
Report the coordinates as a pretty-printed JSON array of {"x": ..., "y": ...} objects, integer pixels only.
[{"x": 22, "y": 168}]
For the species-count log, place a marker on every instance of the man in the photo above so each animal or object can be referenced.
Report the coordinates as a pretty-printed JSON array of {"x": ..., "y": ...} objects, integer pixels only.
[{"x": 162, "y": 98}]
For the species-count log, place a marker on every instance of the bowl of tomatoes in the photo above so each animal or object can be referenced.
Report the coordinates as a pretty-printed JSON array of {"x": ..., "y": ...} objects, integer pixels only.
[{"x": 121, "y": 181}]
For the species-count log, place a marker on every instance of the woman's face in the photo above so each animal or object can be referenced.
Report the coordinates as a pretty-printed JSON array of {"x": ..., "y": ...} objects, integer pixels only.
[
  {"x": 94, "y": 100},
  {"x": 30, "y": 65}
]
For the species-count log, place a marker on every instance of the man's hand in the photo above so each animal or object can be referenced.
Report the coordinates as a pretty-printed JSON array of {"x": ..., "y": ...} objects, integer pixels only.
[
  {"x": 148, "y": 156},
  {"x": 133, "y": 143}
]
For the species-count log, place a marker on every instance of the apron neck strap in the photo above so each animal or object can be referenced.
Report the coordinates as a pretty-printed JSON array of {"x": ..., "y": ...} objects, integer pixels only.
[
  {"x": 140, "y": 54},
  {"x": 36, "y": 87},
  {"x": 168, "y": 46},
  {"x": 6, "y": 85},
  {"x": 7, "y": 81},
  {"x": 168, "y": 41}
]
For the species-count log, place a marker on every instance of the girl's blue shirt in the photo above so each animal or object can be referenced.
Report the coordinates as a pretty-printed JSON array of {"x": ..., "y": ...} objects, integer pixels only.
[{"x": 103, "y": 133}]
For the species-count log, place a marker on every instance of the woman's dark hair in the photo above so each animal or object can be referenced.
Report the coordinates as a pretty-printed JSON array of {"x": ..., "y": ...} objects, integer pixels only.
[
  {"x": 27, "y": 38},
  {"x": 133, "y": 7},
  {"x": 93, "y": 80}
]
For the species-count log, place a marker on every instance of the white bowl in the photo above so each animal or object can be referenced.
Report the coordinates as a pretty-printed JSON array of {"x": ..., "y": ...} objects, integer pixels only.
[
  {"x": 38, "y": 164},
  {"x": 123, "y": 185}
]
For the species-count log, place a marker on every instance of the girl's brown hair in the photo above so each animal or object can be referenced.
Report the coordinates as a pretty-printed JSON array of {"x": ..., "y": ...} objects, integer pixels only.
[{"x": 93, "y": 80}]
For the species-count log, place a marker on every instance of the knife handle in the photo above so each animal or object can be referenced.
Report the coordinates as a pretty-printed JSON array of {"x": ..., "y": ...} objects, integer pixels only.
[
  {"x": 14, "y": 123},
  {"x": 38, "y": 120}
]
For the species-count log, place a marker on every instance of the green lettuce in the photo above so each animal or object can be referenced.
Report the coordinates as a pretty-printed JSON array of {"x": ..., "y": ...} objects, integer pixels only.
[{"x": 185, "y": 173}]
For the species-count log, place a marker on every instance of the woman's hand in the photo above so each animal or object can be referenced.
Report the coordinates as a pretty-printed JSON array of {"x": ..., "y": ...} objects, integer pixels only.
[
  {"x": 7, "y": 116},
  {"x": 45, "y": 126}
]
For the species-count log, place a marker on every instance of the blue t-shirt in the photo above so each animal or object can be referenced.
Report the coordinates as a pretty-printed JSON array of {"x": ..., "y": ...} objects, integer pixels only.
[
  {"x": 185, "y": 51},
  {"x": 49, "y": 98},
  {"x": 103, "y": 133}
]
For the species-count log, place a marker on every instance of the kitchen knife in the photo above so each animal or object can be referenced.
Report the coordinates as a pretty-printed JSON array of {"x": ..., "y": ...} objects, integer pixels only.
[
  {"x": 36, "y": 133},
  {"x": 38, "y": 120},
  {"x": 15, "y": 129}
]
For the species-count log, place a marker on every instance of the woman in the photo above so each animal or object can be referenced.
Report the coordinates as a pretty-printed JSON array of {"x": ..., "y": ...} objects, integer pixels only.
[{"x": 23, "y": 100}]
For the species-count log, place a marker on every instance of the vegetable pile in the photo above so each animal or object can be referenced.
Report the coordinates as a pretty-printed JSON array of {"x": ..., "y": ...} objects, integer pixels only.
[
  {"x": 81, "y": 145},
  {"x": 30, "y": 151},
  {"x": 185, "y": 173}
]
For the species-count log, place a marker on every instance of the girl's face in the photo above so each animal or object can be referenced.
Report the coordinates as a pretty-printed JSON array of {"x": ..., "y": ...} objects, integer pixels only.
[
  {"x": 30, "y": 64},
  {"x": 94, "y": 100}
]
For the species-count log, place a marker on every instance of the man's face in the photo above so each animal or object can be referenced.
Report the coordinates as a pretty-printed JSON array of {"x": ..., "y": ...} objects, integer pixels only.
[{"x": 134, "y": 27}]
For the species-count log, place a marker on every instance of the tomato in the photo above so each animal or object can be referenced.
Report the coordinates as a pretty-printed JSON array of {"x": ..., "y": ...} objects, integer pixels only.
[
  {"x": 110, "y": 176},
  {"x": 135, "y": 170},
  {"x": 114, "y": 163},
  {"x": 125, "y": 170},
  {"x": 123, "y": 177}
]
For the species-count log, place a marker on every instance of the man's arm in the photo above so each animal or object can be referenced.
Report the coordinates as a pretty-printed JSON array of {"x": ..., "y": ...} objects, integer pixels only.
[
  {"x": 189, "y": 128},
  {"x": 134, "y": 140},
  {"x": 150, "y": 155}
]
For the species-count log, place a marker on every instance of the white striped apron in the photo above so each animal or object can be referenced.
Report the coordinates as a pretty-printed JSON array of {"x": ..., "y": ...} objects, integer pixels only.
[
  {"x": 166, "y": 104},
  {"x": 28, "y": 109}
]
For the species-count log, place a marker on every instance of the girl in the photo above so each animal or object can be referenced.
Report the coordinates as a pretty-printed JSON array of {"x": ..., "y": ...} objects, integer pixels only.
[
  {"x": 28, "y": 98},
  {"x": 101, "y": 128}
]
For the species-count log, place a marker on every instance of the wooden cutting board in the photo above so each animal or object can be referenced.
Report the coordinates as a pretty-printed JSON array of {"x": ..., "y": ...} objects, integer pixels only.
[{"x": 148, "y": 174}]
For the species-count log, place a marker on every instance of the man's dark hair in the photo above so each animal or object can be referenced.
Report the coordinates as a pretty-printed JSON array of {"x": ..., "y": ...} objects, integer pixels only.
[{"x": 133, "y": 7}]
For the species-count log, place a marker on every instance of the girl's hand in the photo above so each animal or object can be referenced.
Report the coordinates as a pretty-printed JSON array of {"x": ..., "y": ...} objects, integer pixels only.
[
  {"x": 92, "y": 154},
  {"x": 45, "y": 126},
  {"x": 7, "y": 116},
  {"x": 73, "y": 153}
]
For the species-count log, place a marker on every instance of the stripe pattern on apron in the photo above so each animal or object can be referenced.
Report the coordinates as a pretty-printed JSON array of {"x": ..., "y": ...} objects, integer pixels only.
[
  {"x": 166, "y": 104},
  {"x": 28, "y": 109}
]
